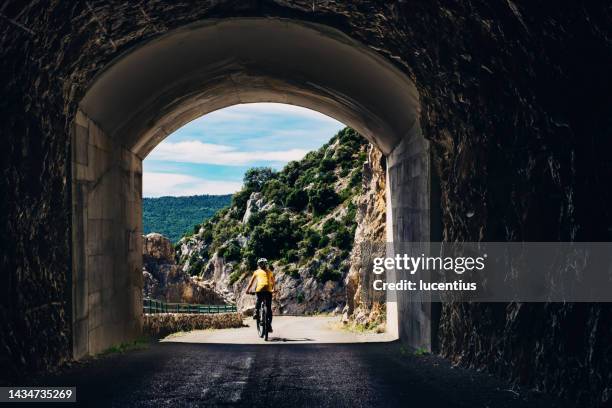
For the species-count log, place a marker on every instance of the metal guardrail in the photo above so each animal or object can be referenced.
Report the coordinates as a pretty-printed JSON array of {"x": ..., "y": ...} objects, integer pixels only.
[{"x": 152, "y": 306}]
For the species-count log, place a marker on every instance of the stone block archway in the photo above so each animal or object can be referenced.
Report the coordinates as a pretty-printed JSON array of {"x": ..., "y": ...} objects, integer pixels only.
[{"x": 157, "y": 87}]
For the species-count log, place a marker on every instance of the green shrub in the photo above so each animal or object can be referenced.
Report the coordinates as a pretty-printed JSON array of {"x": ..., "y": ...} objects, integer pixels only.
[
  {"x": 351, "y": 139},
  {"x": 343, "y": 155},
  {"x": 250, "y": 259},
  {"x": 297, "y": 200},
  {"x": 275, "y": 235},
  {"x": 347, "y": 194},
  {"x": 330, "y": 226},
  {"x": 291, "y": 172},
  {"x": 322, "y": 199},
  {"x": 196, "y": 263},
  {"x": 327, "y": 165},
  {"x": 325, "y": 251},
  {"x": 261, "y": 241},
  {"x": 256, "y": 218},
  {"x": 308, "y": 177},
  {"x": 326, "y": 272},
  {"x": 275, "y": 191},
  {"x": 356, "y": 177},
  {"x": 324, "y": 241},
  {"x": 207, "y": 235},
  {"x": 304, "y": 251},
  {"x": 326, "y": 177},
  {"x": 342, "y": 239},
  {"x": 310, "y": 242},
  {"x": 351, "y": 213},
  {"x": 224, "y": 230},
  {"x": 230, "y": 252},
  {"x": 291, "y": 255},
  {"x": 313, "y": 157},
  {"x": 293, "y": 272},
  {"x": 256, "y": 177}
]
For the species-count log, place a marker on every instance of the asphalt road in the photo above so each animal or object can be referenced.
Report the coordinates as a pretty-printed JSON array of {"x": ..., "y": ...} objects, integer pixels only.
[{"x": 174, "y": 374}]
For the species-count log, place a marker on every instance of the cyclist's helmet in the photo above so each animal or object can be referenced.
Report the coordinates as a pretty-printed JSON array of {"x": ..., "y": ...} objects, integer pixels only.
[{"x": 261, "y": 262}]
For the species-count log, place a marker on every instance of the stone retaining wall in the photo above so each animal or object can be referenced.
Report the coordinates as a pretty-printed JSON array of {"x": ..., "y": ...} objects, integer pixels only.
[{"x": 163, "y": 324}]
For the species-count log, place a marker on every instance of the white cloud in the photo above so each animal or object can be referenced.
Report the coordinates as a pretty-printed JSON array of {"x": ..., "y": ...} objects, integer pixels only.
[
  {"x": 194, "y": 151},
  {"x": 248, "y": 110},
  {"x": 260, "y": 114},
  {"x": 176, "y": 184}
]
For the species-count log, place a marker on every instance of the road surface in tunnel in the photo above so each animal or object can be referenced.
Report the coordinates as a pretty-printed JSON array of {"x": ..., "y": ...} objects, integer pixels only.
[{"x": 284, "y": 373}]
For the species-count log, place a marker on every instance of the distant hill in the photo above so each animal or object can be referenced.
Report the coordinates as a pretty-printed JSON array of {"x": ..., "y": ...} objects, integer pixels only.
[{"x": 174, "y": 216}]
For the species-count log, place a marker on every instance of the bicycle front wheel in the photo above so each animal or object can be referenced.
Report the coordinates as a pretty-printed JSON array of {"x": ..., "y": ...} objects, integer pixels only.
[{"x": 261, "y": 316}]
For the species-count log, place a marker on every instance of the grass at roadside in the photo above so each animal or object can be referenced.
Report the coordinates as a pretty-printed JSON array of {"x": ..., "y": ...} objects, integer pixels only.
[
  {"x": 359, "y": 328},
  {"x": 176, "y": 334},
  {"x": 420, "y": 352},
  {"x": 184, "y": 333},
  {"x": 138, "y": 344}
]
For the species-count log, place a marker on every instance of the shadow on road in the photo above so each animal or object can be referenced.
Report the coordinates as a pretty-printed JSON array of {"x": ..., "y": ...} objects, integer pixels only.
[{"x": 285, "y": 339}]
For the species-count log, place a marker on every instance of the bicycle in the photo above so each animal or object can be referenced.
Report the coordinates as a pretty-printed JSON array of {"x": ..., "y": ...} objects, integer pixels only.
[{"x": 263, "y": 325}]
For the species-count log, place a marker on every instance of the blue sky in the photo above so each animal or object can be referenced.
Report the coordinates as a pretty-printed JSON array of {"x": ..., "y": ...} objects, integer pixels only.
[{"x": 210, "y": 154}]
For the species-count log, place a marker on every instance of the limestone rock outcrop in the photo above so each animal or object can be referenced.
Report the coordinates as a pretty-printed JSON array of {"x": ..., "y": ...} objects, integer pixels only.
[
  {"x": 164, "y": 280},
  {"x": 157, "y": 247},
  {"x": 364, "y": 306}
]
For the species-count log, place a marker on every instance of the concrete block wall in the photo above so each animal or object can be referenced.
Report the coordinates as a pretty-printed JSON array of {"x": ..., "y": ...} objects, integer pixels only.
[
  {"x": 408, "y": 220},
  {"x": 107, "y": 226}
]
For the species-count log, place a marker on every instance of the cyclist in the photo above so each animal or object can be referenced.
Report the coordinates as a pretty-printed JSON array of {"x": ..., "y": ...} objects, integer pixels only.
[{"x": 264, "y": 288}]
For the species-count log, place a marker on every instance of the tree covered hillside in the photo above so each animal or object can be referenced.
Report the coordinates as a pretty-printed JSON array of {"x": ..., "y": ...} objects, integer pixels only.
[
  {"x": 173, "y": 217},
  {"x": 301, "y": 218}
]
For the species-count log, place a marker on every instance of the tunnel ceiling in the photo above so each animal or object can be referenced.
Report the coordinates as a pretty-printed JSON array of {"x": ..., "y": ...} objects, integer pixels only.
[{"x": 151, "y": 90}]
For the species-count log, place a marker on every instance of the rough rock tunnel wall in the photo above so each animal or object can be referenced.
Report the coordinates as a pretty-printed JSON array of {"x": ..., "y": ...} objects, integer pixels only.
[{"x": 515, "y": 99}]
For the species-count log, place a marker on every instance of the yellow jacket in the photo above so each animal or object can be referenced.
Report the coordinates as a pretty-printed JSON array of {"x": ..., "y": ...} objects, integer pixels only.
[{"x": 265, "y": 280}]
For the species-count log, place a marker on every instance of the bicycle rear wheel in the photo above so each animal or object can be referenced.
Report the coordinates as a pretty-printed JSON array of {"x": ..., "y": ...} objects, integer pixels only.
[{"x": 264, "y": 322}]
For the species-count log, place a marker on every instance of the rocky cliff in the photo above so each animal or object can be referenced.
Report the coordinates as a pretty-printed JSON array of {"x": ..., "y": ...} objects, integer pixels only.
[
  {"x": 164, "y": 280},
  {"x": 304, "y": 219},
  {"x": 365, "y": 307}
]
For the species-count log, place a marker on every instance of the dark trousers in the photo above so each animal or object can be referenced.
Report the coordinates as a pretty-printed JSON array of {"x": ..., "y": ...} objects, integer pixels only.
[{"x": 264, "y": 296}]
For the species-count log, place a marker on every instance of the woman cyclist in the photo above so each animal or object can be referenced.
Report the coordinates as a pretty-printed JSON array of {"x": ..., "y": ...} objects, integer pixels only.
[{"x": 264, "y": 279}]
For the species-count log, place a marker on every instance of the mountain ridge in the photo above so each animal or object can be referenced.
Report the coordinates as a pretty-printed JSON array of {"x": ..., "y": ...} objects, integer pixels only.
[{"x": 175, "y": 216}]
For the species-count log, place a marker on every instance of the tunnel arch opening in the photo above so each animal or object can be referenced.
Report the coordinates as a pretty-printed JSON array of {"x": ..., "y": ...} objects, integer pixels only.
[{"x": 155, "y": 88}]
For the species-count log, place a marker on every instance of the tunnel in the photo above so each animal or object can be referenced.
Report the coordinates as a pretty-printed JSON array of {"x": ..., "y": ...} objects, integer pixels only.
[
  {"x": 494, "y": 117},
  {"x": 127, "y": 112}
]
